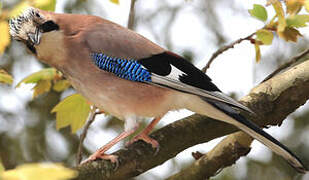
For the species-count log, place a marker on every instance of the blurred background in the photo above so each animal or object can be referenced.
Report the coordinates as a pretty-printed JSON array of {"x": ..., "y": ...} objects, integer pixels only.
[{"x": 194, "y": 29}]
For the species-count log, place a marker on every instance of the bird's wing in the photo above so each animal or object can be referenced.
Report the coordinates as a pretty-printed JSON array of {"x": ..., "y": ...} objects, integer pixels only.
[
  {"x": 168, "y": 70},
  {"x": 172, "y": 71}
]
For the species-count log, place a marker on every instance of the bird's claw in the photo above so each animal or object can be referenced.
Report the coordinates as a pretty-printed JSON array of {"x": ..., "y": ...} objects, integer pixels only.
[
  {"x": 147, "y": 139},
  {"x": 102, "y": 155}
]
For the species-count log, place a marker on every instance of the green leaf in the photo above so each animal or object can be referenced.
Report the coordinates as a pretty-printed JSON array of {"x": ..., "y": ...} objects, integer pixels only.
[
  {"x": 72, "y": 111},
  {"x": 61, "y": 85},
  {"x": 42, "y": 86},
  {"x": 39, "y": 171},
  {"x": 44, "y": 74},
  {"x": 297, "y": 20},
  {"x": 48, "y": 5},
  {"x": 257, "y": 52},
  {"x": 258, "y": 12},
  {"x": 114, "y": 1},
  {"x": 280, "y": 14},
  {"x": 5, "y": 77},
  {"x": 265, "y": 36}
]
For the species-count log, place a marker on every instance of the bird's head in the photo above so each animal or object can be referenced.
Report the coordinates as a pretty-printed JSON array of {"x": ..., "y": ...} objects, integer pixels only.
[{"x": 31, "y": 26}]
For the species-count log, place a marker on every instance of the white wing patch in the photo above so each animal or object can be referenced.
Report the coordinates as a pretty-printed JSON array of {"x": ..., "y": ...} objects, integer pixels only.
[{"x": 175, "y": 73}]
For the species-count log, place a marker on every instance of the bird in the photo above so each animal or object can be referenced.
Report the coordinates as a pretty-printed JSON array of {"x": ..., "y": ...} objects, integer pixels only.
[{"x": 129, "y": 76}]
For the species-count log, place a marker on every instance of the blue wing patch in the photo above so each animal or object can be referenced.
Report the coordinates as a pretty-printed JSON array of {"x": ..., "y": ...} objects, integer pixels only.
[{"x": 127, "y": 69}]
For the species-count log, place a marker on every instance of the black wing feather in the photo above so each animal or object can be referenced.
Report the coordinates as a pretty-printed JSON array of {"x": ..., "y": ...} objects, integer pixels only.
[{"x": 160, "y": 64}]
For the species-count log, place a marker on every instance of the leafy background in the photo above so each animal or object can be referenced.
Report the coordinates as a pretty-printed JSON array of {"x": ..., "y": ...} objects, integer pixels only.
[{"x": 192, "y": 28}]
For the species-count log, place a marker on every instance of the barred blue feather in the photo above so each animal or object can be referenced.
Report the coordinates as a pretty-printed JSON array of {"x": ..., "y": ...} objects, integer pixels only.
[{"x": 127, "y": 69}]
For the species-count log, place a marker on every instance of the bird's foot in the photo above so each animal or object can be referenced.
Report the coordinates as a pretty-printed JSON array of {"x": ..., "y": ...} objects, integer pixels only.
[
  {"x": 147, "y": 139},
  {"x": 101, "y": 155}
]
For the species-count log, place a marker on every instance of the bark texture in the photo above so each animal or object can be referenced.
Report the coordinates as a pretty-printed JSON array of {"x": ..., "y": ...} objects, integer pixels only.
[{"x": 272, "y": 101}]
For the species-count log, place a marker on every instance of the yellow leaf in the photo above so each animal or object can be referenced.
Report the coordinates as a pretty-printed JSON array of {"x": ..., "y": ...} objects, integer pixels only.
[
  {"x": 73, "y": 110},
  {"x": 61, "y": 85},
  {"x": 5, "y": 77},
  {"x": 39, "y": 171},
  {"x": 44, "y": 74},
  {"x": 41, "y": 87},
  {"x": 5, "y": 36},
  {"x": 265, "y": 36},
  {"x": 280, "y": 14},
  {"x": 48, "y": 5},
  {"x": 18, "y": 9},
  {"x": 294, "y": 6},
  {"x": 289, "y": 34},
  {"x": 257, "y": 52},
  {"x": 114, "y": 1}
]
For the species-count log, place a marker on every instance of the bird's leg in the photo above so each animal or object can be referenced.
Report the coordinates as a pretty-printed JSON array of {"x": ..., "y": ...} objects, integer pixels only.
[
  {"x": 100, "y": 153},
  {"x": 144, "y": 135}
]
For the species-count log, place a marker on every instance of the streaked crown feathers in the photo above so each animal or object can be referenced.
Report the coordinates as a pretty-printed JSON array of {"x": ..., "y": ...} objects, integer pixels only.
[{"x": 24, "y": 23}]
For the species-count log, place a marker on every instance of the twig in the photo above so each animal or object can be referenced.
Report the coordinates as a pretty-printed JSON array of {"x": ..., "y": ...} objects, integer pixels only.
[
  {"x": 131, "y": 15},
  {"x": 287, "y": 64},
  {"x": 225, "y": 48},
  {"x": 90, "y": 120}
]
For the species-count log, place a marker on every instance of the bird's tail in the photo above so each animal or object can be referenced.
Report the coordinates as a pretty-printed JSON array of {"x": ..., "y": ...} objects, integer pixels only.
[{"x": 223, "y": 112}]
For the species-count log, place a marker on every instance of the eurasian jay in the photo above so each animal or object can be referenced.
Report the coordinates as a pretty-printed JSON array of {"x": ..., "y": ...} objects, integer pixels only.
[{"x": 129, "y": 76}]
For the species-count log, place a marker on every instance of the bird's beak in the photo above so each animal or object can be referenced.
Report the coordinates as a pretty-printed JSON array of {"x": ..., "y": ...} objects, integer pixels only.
[{"x": 35, "y": 37}]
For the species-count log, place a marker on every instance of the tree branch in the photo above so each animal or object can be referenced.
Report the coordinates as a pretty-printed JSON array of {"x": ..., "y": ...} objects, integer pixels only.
[
  {"x": 272, "y": 100},
  {"x": 287, "y": 64},
  {"x": 224, "y": 154},
  {"x": 225, "y": 48},
  {"x": 131, "y": 15},
  {"x": 84, "y": 134}
]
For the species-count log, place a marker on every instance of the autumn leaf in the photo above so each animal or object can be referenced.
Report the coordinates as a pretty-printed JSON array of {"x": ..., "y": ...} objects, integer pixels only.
[
  {"x": 297, "y": 20},
  {"x": 61, "y": 85},
  {"x": 280, "y": 14},
  {"x": 43, "y": 80},
  {"x": 114, "y": 1},
  {"x": 265, "y": 36},
  {"x": 44, "y": 74},
  {"x": 258, "y": 12},
  {"x": 257, "y": 52},
  {"x": 41, "y": 87},
  {"x": 39, "y": 171},
  {"x": 5, "y": 77},
  {"x": 5, "y": 36},
  {"x": 290, "y": 34},
  {"x": 294, "y": 6},
  {"x": 72, "y": 111}
]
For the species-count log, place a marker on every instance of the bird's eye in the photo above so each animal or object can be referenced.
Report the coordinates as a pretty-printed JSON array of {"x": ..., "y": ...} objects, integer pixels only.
[
  {"x": 37, "y": 15},
  {"x": 49, "y": 26}
]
